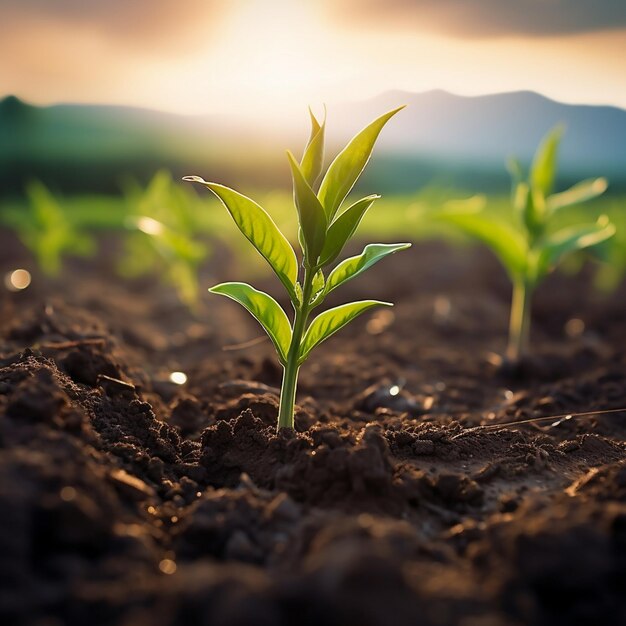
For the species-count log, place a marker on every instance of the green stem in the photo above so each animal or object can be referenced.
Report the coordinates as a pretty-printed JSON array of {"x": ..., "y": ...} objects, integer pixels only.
[
  {"x": 519, "y": 327},
  {"x": 292, "y": 367}
]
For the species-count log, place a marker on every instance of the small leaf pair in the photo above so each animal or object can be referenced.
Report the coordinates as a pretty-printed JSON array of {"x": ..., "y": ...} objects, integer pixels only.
[
  {"x": 325, "y": 227},
  {"x": 527, "y": 247}
]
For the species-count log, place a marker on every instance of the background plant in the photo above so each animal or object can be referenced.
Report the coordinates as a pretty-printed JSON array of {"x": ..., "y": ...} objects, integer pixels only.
[
  {"x": 528, "y": 247},
  {"x": 48, "y": 233},
  {"x": 324, "y": 229},
  {"x": 163, "y": 221}
]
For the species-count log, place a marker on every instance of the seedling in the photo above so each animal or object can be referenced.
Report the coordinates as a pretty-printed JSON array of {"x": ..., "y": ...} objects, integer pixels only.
[
  {"x": 164, "y": 234},
  {"x": 612, "y": 254},
  {"x": 49, "y": 232},
  {"x": 325, "y": 228},
  {"x": 526, "y": 246}
]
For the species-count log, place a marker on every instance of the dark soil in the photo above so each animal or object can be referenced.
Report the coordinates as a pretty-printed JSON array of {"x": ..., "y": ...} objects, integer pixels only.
[{"x": 128, "y": 500}]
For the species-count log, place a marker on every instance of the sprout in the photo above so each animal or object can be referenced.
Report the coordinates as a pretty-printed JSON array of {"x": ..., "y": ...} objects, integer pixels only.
[
  {"x": 526, "y": 248},
  {"x": 50, "y": 234},
  {"x": 325, "y": 228},
  {"x": 162, "y": 218}
]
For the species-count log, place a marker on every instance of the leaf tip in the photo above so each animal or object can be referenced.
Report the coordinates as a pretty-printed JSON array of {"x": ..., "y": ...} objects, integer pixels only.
[{"x": 194, "y": 179}]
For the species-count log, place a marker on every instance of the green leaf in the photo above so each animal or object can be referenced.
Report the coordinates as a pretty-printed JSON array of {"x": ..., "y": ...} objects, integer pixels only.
[
  {"x": 299, "y": 295},
  {"x": 313, "y": 158},
  {"x": 329, "y": 322},
  {"x": 520, "y": 198},
  {"x": 265, "y": 309},
  {"x": 345, "y": 170},
  {"x": 259, "y": 228},
  {"x": 580, "y": 192},
  {"x": 311, "y": 214},
  {"x": 534, "y": 213},
  {"x": 516, "y": 171},
  {"x": 571, "y": 239},
  {"x": 505, "y": 242},
  {"x": 318, "y": 282},
  {"x": 543, "y": 168},
  {"x": 352, "y": 267},
  {"x": 530, "y": 204},
  {"x": 343, "y": 228}
]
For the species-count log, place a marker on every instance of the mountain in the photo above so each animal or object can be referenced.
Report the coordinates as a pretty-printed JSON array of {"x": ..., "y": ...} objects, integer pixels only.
[
  {"x": 443, "y": 137},
  {"x": 489, "y": 128}
]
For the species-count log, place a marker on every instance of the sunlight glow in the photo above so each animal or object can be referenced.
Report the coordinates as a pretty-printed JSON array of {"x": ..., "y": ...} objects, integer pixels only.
[{"x": 269, "y": 59}]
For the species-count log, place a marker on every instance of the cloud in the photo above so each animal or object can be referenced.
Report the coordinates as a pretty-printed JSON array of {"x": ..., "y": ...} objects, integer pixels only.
[
  {"x": 487, "y": 18},
  {"x": 158, "y": 25}
]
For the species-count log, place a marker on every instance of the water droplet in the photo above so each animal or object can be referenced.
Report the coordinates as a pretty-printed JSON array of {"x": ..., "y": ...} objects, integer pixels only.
[
  {"x": 178, "y": 378},
  {"x": 17, "y": 280},
  {"x": 167, "y": 566},
  {"x": 394, "y": 390}
]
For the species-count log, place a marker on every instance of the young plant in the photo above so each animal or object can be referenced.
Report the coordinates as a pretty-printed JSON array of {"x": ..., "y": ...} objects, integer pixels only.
[
  {"x": 526, "y": 246},
  {"x": 612, "y": 254},
  {"x": 325, "y": 228},
  {"x": 163, "y": 224},
  {"x": 49, "y": 233}
]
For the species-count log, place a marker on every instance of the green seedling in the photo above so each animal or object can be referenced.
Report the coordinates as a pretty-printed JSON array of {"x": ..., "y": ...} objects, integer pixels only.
[
  {"x": 324, "y": 229},
  {"x": 527, "y": 246},
  {"x": 164, "y": 227},
  {"x": 611, "y": 254},
  {"x": 49, "y": 233}
]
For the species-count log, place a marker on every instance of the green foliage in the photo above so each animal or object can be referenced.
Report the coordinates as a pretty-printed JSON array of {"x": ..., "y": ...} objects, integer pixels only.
[
  {"x": 528, "y": 246},
  {"x": 324, "y": 229},
  {"x": 49, "y": 233},
  {"x": 612, "y": 253},
  {"x": 265, "y": 309},
  {"x": 163, "y": 227},
  {"x": 332, "y": 320}
]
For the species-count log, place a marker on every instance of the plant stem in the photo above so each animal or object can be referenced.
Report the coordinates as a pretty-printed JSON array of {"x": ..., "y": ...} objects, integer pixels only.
[
  {"x": 519, "y": 327},
  {"x": 292, "y": 367}
]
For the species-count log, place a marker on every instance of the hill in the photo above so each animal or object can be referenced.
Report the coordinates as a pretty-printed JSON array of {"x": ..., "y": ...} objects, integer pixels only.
[{"x": 442, "y": 137}]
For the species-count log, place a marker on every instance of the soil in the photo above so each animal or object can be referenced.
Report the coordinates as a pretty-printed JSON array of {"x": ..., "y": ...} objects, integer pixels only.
[{"x": 401, "y": 498}]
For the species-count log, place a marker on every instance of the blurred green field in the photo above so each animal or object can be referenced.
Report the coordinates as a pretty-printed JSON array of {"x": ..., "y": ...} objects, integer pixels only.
[{"x": 411, "y": 216}]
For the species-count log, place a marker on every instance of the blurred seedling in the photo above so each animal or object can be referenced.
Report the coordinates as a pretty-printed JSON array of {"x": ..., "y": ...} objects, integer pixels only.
[
  {"x": 324, "y": 229},
  {"x": 163, "y": 238},
  {"x": 49, "y": 233},
  {"x": 528, "y": 247},
  {"x": 612, "y": 253}
]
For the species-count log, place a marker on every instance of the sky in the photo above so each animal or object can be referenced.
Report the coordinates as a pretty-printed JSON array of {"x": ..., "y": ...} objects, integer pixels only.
[{"x": 271, "y": 58}]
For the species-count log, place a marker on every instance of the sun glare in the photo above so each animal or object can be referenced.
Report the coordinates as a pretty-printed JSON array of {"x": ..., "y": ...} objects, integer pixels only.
[{"x": 267, "y": 59}]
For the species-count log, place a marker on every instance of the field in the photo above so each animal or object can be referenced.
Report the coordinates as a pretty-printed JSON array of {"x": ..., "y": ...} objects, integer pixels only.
[
  {"x": 143, "y": 481},
  {"x": 312, "y": 313}
]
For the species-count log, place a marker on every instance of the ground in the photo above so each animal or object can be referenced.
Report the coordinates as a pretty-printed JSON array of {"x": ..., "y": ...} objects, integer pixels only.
[{"x": 129, "y": 500}]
